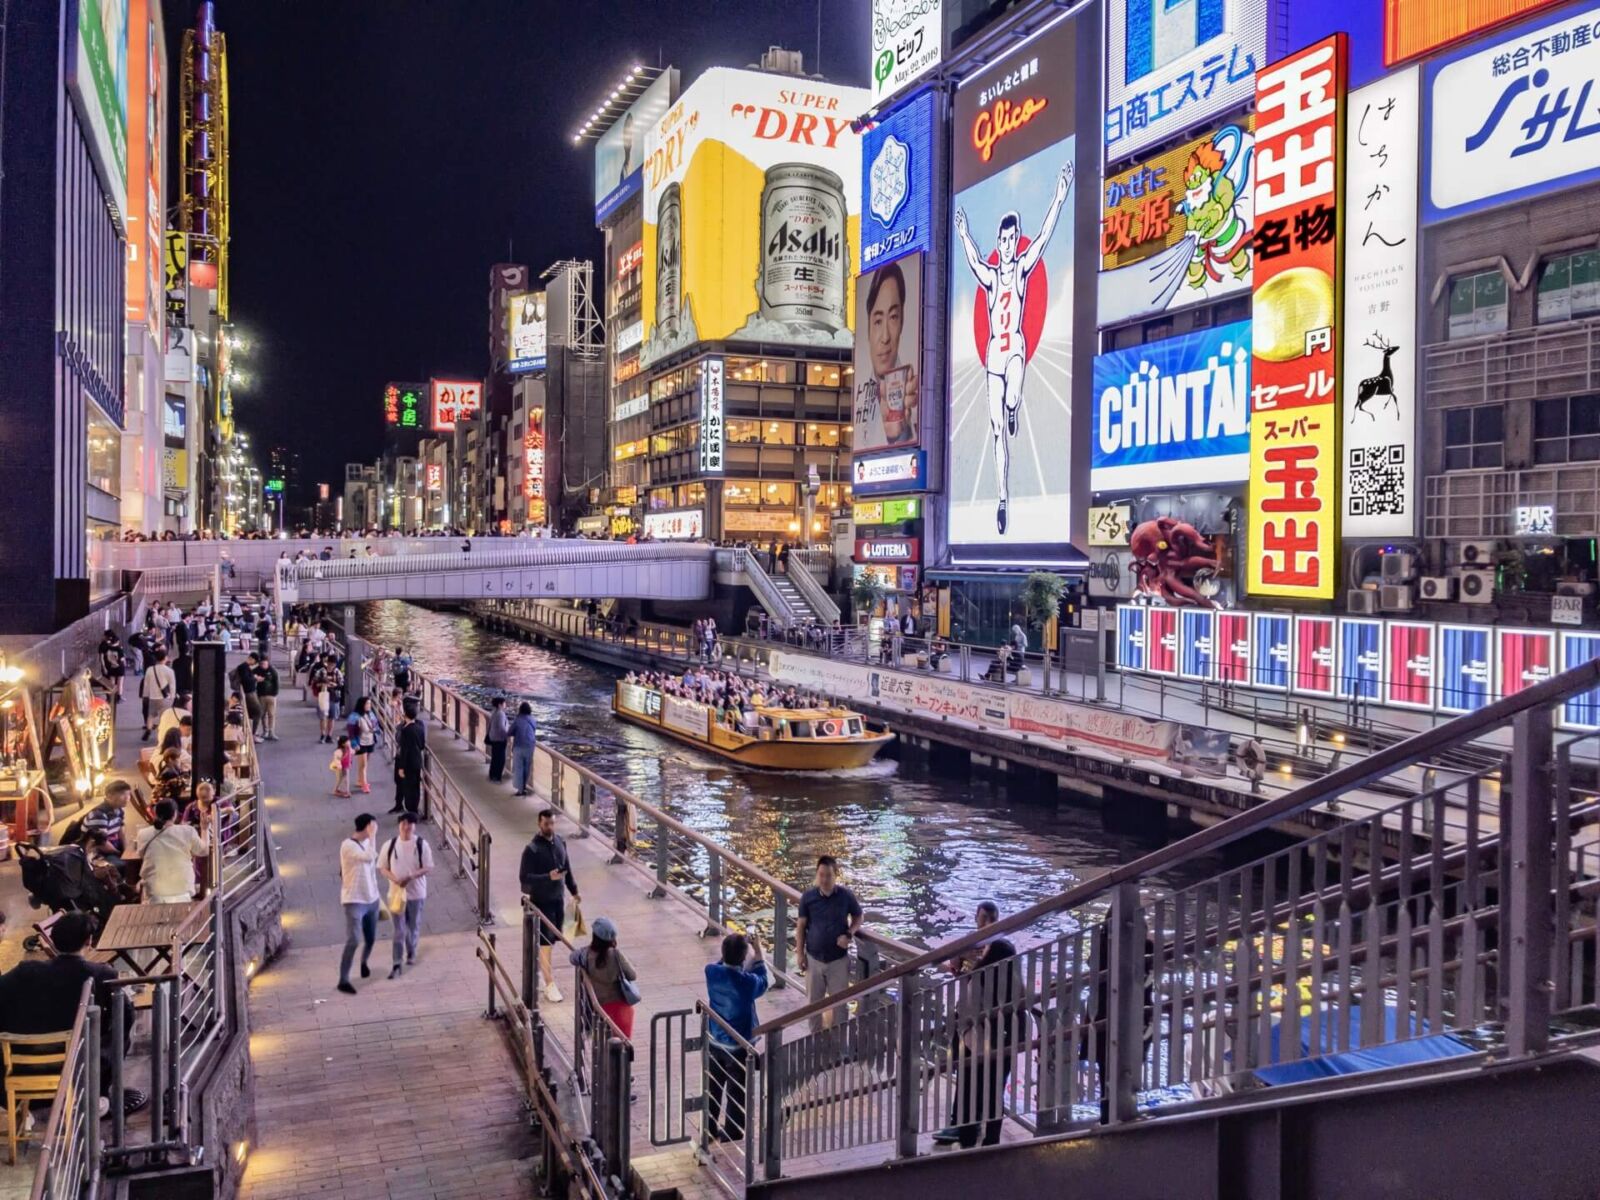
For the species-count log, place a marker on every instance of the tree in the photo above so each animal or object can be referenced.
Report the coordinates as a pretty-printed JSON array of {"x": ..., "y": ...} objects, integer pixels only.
[
  {"x": 1041, "y": 596},
  {"x": 866, "y": 593}
]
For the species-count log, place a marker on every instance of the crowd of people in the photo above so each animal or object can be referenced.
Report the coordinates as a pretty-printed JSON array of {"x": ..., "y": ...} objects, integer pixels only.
[{"x": 733, "y": 697}]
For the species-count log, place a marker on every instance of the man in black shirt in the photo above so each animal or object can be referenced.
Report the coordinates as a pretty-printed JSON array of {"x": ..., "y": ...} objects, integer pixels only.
[
  {"x": 545, "y": 870},
  {"x": 411, "y": 748},
  {"x": 830, "y": 915},
  {"x": 244, "y": 678}
]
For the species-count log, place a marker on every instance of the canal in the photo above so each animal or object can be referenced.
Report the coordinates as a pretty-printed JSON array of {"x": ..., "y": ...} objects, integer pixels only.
[{"x": 919, "y": 849}]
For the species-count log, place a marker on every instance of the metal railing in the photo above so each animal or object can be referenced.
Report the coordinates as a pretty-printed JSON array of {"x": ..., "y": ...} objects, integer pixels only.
[
  {"x": 198, "y": 960},
  {"x": 1461, "y": 918},
  {"x": 462, "y": 832},
  {"x": 1545, "y": 360},
  {"x": 70, "y": 1158},
  {"x": 536, "y": 553},
  {"x": 744, "y": 563},
  {"x": 695, "y": 1053},
  {"x": 821, "y": 604}
]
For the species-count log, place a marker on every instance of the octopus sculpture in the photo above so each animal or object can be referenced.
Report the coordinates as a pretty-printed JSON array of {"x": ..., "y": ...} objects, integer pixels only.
[{"x": 1168, "y": 554}]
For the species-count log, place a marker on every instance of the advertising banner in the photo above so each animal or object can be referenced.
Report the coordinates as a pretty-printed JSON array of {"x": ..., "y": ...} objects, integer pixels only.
[
  {"x": 1233, "y": 647},
  {"x": 1270, "y": 651},
  {"x": 1018, "y": 341},
  {"x": 888, "y": 399},
  {"x": 1523, "y": 657},
  {"x": 1580, "y": 712},
  {"x": 1514, "y": 118},
  {"x": 455, "y": 400},
  {"x": 819, "y": 674},
  {"x": 896, "y": 550},
  {"x": 97, "y": 79},
  {"x": 1161, "y": 641},
  {"x": 1465, "y": 673},
  {"x": 174, "y": 469},
  {"x": 403, "y": 405},
  {"x": 686, "y": 524},
  {"x": 527, "y": 329},
  {"x": 1414, "y": 27},
  {"x": 1411, "y": 662},
  {"x": 1313, "y": 655},
  {"x": 1170, "y": 65},
  {"x": 1197, "y": 629},
  {"x": 1295, "y": 307},
  {"x": 1173, "y": 413},
  {"x": 752, "y": 213},
  {"x": 1110, "y": 525},
  {"x": 1083, "y": 724},
  {"x": 901, "y": 471},
  {"x": 897, "y": 178},
  {"x": 907, "y": 43},
  {"x": 619, "y": 153},
  {"x": 146, "y": 211},
  {"x": 639, "y": 699},
  {"x": 1380, "y": 311},
  {"x": 1360, "y": 660},
  {"x": 1131, "y": 630},
  {"x": 713, "y": 433},
  {"x": 1175, "y": 230},
  {"x": 533, "y": 485},
  {"x": 175, "y": 270},
  {"x": 1201, "y": 750},
  {"x": 686, "y": 716}
]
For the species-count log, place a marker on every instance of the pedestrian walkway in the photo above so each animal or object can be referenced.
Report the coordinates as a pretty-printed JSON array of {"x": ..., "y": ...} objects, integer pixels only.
[{"x": 403, "y": 1091}]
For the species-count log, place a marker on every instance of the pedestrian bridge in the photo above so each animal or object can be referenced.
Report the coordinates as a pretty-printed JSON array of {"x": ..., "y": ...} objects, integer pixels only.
[{"x": 552, "y": 568}]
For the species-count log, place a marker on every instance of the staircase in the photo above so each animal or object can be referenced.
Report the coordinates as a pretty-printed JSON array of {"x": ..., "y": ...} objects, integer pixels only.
[{"x": 789, "y": 599}]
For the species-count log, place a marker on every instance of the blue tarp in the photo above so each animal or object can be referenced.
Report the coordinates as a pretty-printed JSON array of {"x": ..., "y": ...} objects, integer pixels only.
[{"x": 1389, "y": 1053}]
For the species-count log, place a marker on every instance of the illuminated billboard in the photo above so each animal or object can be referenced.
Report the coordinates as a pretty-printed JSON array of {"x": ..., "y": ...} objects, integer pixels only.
[
  {"x": 897, "y": 182},
  {"x": 752, "y": 213},
  {"x": 97, "y": 79},
  {"x": 526, "y": 331},
  {"x": 1514, "y": 117},
  {"x": 907, "y": 43},
  {"x": 713, "y": 433},
  {"x": 1170, "y": 65},
  {"x": 1017, "y": 456},
  {"x": 533, "y": 487},
  {"x": 1294, "y": 415},
  {"x": 619, "y": 152},
  {"x": 1414, "y": 27},
  {"x": 1379, "y": 455},
  {"x": 1173, "y": 413},
  {"x": 455, "y": 400},
  {"x": 887, "y": 404},
  {"x": 146, "y": 211},
  {"x": 1175, "y": 230},
  {"x": 403, "y": 405}
]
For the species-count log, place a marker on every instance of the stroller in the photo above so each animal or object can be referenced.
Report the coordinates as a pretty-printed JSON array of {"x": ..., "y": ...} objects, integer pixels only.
[{"x": 61, "y": 880}]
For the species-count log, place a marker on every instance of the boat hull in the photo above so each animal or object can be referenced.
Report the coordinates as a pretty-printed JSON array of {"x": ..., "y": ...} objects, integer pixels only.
[{"x": 816, "y": 755}]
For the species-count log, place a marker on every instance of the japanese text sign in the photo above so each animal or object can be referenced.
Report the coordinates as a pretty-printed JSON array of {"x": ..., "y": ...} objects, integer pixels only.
[
  {"x": 907, "y": 43},
  {"x": 713, "y": 437},
  {"x": 897, "y": 183},
  {"x": 1294, "y": 396},
  {"x": 455, "y": 400},
  {"x": 1170, "y": 66},
  {"x": 1516, "y": 118}
]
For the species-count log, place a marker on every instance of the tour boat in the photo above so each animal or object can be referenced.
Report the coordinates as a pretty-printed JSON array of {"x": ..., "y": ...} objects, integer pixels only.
[{"x": 784, "y": 739}]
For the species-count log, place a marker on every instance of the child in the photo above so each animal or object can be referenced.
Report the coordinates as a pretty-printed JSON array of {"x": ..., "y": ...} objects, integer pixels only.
[{"x": 340, "y": 766}]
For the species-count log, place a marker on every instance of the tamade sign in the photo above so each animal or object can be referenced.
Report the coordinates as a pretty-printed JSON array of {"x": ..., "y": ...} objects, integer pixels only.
[{"x": 1294, "y": 418}]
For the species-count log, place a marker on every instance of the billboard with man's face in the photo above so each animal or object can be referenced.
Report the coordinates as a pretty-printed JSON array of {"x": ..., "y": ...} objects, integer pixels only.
[
  {"x": 1024, "y": 157},
  {"x": 619, "y": 154},
  {"x": 888, "y": 404}
]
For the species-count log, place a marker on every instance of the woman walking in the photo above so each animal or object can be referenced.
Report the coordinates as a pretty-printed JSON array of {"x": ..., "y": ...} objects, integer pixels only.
[
  {"x": 607, "y": 968},
  {"x": 363, "y": 727}
]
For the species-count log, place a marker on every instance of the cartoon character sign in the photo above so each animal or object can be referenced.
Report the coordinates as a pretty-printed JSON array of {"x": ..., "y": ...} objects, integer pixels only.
[
  {"x": 1214, "y": 178},
  {"x": 1174, "y": 560}
]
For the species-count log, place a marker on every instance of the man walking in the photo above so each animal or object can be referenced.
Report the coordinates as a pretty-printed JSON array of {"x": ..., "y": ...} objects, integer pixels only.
[
  {"x": 410, "y": 751},
  {"x": 405, "y": 862},
  {"x": 157, "y": 690},
  {"x": 244, "y": 678},
  {"x": 358, "y": 892},
  {"x": 524, "y": 737},
  {"x": 830, "y": 915},
  {"x": 544, "y": 872},
  {"x": 499, "y": 733}
]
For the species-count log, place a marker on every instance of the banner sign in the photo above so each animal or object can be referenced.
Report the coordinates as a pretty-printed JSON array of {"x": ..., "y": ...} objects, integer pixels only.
[
  {"x": 1270, "y": 655},
  {"x": 1173, "y": 413},
  {"x": 1295, "y": 305},
  {"x": 713, "y": 435},
  {"x": 619, "y": 154},
  {"x": 1360, "y": 659},
  {"x": 1197, "y": 634},
  {"x": 1411, "y": 654},
  {"x": 1313, "y": 655},
  {"x": 1376, "y": 483},
  {"x": 902, "y": 471},
  {"x": 888, "y": 550},
  {"x": 675, "y": 526},
  {"x": 686, "y": 716},
  {"x": 1465, "y": 673},
  {"x": 1233, "y": 647},
  {"x": 907, "y": 43},
  {"x": 1523, "y": 657},
  {"x": 897, "y": 175},
  {"x": 887, "y": 405}
]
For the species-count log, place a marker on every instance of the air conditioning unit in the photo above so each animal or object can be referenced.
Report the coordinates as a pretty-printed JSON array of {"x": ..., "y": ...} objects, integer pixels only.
[
  {"x": 1575, "y": 589},
  {"x": 1475, "y": 554},
  {"x": 1437, "y": 587},
  {"x": 1396, "y": 597},
  {"x": 1361, "y": 602},
  {"x": 1397, "y": 568},
  {"x": 1475, "y": 586}
]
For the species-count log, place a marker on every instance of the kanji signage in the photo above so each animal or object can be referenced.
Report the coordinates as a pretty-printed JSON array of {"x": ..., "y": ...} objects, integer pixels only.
[
  {"x": 1294, "y": 418},
  {"x": 455, "y": 400},
  {"x": 713, "y": 437},
  {"x": 402, "y": 405},
  {"x": 1175, "y": 230},
  {"x": 1380, "y": 311},
  {"x": 1514, "y": 118},
  {"x": 897, "y": 183},
  {"x": 533, "y": 490}
]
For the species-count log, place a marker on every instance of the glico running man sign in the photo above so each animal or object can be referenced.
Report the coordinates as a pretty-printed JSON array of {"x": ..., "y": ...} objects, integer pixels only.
[{"x": 1021, "y": 315}]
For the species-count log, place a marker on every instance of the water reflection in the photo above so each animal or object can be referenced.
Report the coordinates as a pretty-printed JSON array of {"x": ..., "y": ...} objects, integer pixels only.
[{"x": 920, "y": 850}]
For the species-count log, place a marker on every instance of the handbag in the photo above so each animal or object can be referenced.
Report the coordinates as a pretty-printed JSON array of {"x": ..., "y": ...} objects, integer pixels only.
[
  {"x": 629, "y": 990},
  {"x": 397, "y": 899},
  {"x": 579, "y": 929}
]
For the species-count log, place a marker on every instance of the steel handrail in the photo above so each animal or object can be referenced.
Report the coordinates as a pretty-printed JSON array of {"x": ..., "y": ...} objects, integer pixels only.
[
  {"x": 760, "y": 582},
  {"x": 1256, "y": 820},
  {"x": 68, "y": 1105},
  {"x": 539, "y": 553}
]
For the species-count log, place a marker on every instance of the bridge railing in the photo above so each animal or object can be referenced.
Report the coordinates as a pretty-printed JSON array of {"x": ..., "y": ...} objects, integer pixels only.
[
  {"x": 538, "y": 552},
  {"x": 1457, "y": 922},
  {"x": 743, "y": 562}
]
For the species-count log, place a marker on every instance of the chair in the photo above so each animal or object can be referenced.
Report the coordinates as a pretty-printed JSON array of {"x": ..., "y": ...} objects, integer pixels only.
[{"x": 43, "y": 1056}]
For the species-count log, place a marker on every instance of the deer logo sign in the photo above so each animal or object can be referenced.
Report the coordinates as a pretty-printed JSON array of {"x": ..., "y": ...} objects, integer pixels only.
[{"x": 1381, "y": 384}]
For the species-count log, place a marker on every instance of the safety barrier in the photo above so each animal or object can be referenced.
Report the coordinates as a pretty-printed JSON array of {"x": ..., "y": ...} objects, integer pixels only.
[
  {"x": 70, "y": 1161},
  {"x": 694, "y": 1052}
]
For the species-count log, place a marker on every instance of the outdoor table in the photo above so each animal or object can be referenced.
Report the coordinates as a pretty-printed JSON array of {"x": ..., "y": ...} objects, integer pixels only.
[{"x": 143, "y": 927}]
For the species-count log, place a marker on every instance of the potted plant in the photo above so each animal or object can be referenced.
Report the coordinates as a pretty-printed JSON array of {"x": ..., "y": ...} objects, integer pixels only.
[
  {"x": 866, "y": 593},
  {"x": 1041, "y": 600}
]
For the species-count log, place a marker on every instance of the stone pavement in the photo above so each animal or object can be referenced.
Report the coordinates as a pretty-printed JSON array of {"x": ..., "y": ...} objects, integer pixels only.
[{"x": 404, "y": 1091}]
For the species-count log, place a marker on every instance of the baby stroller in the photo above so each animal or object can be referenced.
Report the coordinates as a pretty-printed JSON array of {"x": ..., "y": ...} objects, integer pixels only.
[{"x": 61, "y": 880}]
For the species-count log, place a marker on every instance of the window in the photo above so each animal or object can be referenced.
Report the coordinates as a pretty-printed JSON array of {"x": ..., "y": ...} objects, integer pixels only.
[
  {"x": 1566, "y": 430},
  {"x": 691, "y": 494},
  {"x": 760, "y": 370},
  {"x": 1474, "y": 438},
  {"x": 659, "y": 499},
  {"x": 1569, "y": 287},
  {"x": 1477, "y": 305},
  {"x": 105, "y": 457},
  {"x": 833, "y": 496},
  {"x": 822, "y": 375},
  {"x": 822, "y": 434},
  {"x": 743, "y": 433}
]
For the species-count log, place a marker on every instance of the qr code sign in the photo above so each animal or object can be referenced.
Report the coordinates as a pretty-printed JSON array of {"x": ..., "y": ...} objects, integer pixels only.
[{"x": 1377, "y": 481}]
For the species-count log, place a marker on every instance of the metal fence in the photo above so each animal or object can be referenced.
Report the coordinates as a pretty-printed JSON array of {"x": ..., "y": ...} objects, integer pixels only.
[
  {"x": 70, "y": 1162},
  {"x": 695, "y": 1053}
]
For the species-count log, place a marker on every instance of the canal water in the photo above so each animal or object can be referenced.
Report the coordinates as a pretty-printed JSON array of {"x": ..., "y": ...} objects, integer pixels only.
[{"x": 920, "y": 850}]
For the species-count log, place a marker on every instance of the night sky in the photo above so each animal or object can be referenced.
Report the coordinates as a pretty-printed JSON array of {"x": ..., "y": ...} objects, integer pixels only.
[{"x": 386, "y": 152}]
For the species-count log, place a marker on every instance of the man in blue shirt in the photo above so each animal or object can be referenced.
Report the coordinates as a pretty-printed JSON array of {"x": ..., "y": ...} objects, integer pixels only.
[
  {"x": 524, "y": 737},
  {"x": 830, "y": 915},
  {"x": 732, "y": 989}
]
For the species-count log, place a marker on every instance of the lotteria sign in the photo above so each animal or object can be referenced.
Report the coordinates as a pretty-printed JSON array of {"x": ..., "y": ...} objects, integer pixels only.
[
  {"x": 1174, "y": 413},
  {"x": 889, "y": 550}
]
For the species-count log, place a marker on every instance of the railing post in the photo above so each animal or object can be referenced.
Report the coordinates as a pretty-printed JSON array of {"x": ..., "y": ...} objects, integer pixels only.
[
  {"x": 119, "y": 1029},
  {"x": 491, "y": 1010},
  {"x": 771, "y": 1103},
  {"x": 1528, "y": 837},
  {"x": 662, "y": 860},
  {"x": 160, "y": 1050},
  {"x": 485, "y": 911},
  {"x": 1125, "y": 1021},
  {"x": 91, "y": 1096},
  {"x": 908, "y": 1066},
  {"x": 780, "y": 936},
  {"x": 530, "y": 957},
  {"x": 714, "y": 895},
  {"x": 585, "y": 804}
]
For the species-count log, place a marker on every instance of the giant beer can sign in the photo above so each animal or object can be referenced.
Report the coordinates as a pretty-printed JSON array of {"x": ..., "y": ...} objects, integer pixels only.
[
  {"x": 804, "y": 250},
  {"x": 669, "y": 259}
]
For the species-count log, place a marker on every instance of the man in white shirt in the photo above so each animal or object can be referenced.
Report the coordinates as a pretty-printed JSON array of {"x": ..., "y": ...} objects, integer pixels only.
[
  {"x": 167, "y": 850},
  {"x": 158, "y": 689},
  {"x": 358, "y": 892},
  {"x": 405, "y": 861}
]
